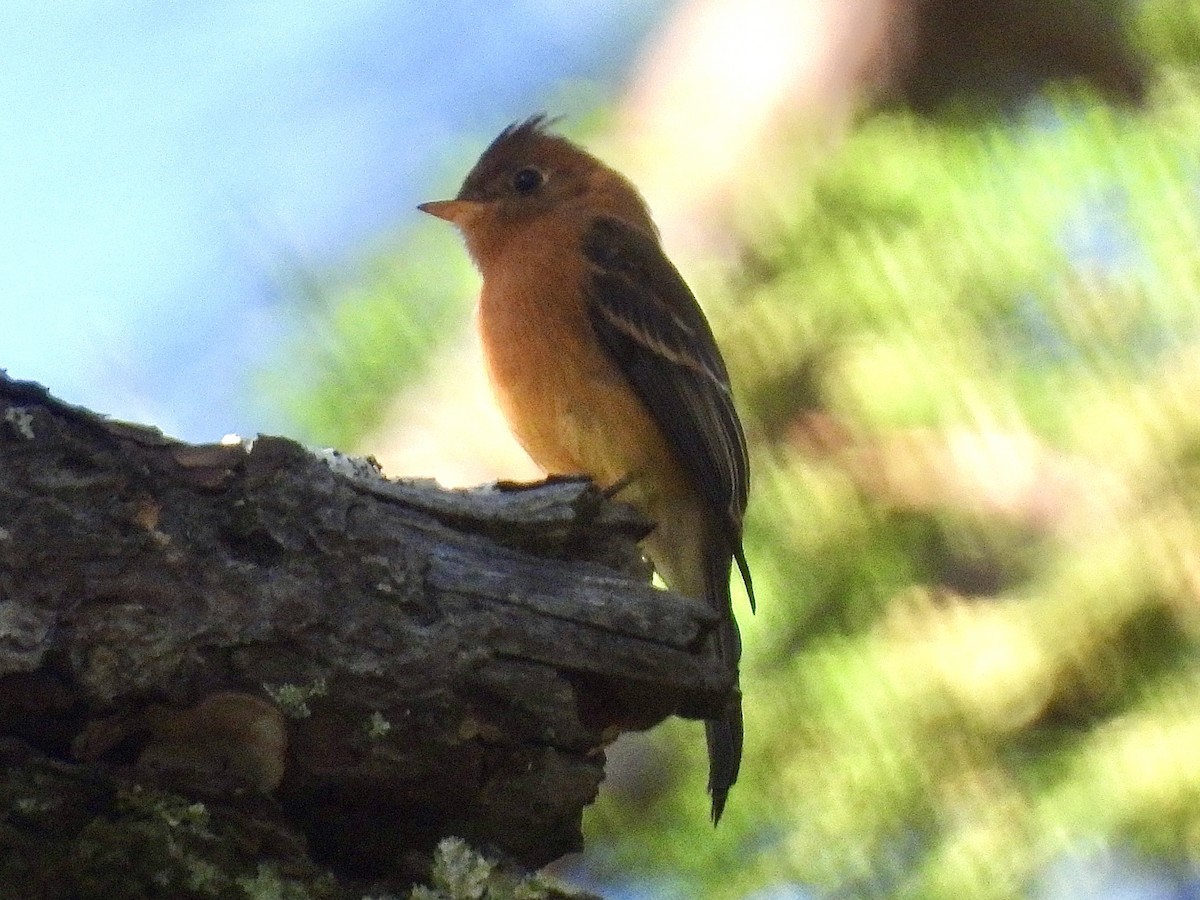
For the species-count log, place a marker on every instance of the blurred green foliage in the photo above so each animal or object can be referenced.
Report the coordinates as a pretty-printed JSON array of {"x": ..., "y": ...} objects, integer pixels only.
[{"x": 968, "y": 352}]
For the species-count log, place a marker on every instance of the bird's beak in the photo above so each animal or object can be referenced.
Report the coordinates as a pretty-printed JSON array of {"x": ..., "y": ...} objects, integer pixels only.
[{"x": 458, "y": 212}]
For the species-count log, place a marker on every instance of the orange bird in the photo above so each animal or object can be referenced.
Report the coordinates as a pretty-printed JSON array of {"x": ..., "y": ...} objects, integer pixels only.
[{"x": 604, "y": 365}]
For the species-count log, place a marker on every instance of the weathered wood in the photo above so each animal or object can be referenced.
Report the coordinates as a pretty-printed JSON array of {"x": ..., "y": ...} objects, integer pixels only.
[{"x": 389, "y": 662}]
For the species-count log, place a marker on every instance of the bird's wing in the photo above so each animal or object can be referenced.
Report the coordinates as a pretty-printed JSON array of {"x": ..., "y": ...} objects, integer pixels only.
[{"x": 648, "y": 321}]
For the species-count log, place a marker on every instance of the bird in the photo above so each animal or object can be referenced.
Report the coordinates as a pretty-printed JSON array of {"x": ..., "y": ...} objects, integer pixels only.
[{"x": 604, "y": 365}]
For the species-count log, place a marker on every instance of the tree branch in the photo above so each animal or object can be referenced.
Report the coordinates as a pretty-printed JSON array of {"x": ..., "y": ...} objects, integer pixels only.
[{"x": 355, "y": 666}]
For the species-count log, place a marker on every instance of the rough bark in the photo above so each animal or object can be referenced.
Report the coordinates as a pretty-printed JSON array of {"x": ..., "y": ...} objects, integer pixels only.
[{"x": 256, "y": 661}]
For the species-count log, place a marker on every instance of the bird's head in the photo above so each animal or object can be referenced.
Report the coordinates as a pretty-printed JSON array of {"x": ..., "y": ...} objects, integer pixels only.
[{"x": 528, "y": 175}]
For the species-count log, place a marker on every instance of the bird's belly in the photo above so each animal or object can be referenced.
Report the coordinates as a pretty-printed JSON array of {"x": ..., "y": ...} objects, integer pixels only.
[{"x": 569, "y": 406}]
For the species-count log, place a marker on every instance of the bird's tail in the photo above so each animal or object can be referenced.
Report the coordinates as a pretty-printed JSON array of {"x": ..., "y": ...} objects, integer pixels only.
[
  {"x": 697, "y": 562},
  {"x": 724, "y": 754},
  {"x": 724, "y": 734}
]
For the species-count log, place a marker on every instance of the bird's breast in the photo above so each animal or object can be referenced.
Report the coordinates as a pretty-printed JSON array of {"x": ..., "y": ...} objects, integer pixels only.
[{"x": 566, "y": 401}]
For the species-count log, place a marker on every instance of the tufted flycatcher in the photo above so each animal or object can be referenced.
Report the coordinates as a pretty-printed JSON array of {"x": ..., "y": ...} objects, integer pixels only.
[{"x": 604, "y": 365}]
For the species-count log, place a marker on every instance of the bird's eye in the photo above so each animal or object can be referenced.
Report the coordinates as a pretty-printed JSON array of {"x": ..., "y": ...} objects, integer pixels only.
[{"x": 527, "y": 180}]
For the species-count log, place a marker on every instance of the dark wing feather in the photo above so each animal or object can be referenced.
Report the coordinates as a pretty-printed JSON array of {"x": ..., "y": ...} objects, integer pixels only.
[{"x": 649, "y": 322}]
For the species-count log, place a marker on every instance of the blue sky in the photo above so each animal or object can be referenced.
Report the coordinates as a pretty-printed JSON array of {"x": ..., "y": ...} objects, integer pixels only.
[{"x": 161, "y": 163}]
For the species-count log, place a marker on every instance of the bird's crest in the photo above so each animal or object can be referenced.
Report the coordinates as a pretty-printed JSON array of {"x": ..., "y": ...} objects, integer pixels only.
[
  {"x": 520, "y": 143},
  {"x": 518, "y": 135}
]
